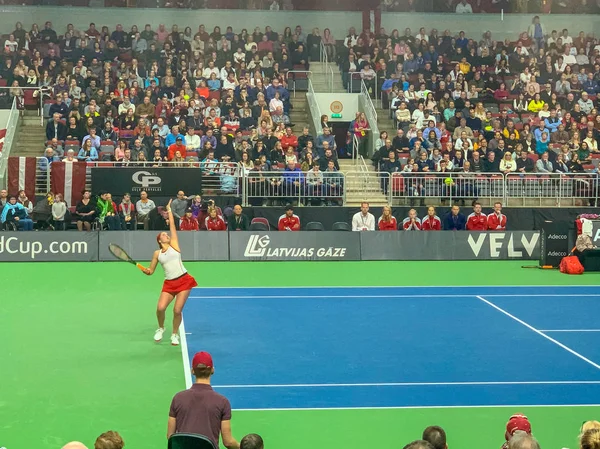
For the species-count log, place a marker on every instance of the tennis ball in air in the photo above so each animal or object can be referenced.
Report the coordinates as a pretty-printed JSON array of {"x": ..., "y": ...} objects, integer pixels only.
[{"x": 448, "y": 181}]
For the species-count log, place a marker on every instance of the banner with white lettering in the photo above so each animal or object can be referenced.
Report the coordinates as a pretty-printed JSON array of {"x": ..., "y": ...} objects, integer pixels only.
[
  {"x": 48, "y": 246},
  {"x": 449, "y": 245},
  {"x": 304, "y": 245}
]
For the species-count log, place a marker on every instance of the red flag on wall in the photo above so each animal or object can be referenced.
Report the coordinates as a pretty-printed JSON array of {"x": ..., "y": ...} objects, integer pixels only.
[
  {"x": 21, "y": 175},
  {"x": 68, "y": 179}
]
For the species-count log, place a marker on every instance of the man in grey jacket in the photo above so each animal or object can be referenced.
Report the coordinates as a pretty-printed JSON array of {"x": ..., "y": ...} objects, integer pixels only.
[{"x": 179, "y": 206}]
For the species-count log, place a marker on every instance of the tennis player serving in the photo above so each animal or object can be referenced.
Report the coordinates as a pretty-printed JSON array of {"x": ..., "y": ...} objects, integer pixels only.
[{"x": 178, "y": 283}]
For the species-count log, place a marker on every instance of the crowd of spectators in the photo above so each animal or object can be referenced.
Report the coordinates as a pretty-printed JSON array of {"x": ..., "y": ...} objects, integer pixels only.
[
  {"x": 462, "y": 103},
  {"x": 154, "y": 97},
  {"x": 102, "y": 212}
]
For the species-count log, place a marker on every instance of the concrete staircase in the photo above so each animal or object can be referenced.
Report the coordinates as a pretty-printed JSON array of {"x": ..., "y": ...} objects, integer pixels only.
[
  {"x": 362, "y": 186},
  {"x": 32, "y": 136},
  {"x": 299, "y": 114},
  {"x": 384, "y": 122},
  {"x": 321, "y": 80}
]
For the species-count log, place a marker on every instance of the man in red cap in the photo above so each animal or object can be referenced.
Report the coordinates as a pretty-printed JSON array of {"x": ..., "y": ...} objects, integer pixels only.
[
  {"x": 516, "y": 423},
  {"x": 200, "y": 409}
]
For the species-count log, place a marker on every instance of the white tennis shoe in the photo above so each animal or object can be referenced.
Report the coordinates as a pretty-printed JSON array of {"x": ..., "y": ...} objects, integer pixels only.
[
  {"x": 158, "y": 335},
  {"x": 175, "y": 340}
]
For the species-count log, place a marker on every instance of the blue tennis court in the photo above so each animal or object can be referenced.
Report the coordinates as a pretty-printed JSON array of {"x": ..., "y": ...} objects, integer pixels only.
[{"x": 379, "y": 347}]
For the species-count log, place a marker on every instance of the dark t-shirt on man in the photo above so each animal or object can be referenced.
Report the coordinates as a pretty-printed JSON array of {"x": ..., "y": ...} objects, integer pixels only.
[{"x": 200, "y": 410}]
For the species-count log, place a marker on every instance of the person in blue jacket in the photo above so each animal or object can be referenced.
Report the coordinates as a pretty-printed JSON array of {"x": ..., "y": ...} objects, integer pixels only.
[
  {"x": 454, "y": 220},
  {"x": 14, "y": 212}
]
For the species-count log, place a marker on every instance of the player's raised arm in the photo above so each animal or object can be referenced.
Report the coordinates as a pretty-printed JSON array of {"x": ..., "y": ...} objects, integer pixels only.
[
  {"x": 173, "y": 228},
  {"x": 150, "y": 270}
]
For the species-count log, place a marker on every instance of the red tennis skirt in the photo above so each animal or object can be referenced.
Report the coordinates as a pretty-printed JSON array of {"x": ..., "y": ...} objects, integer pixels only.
[{"x": 180, "y": 284}]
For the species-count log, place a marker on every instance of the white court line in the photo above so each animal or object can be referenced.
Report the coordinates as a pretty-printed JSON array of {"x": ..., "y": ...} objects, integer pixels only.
[
  {"x": 569, "y": 330},
  {"x": 530, "y": 327},
  {"x": 184, "y": 356},
  {"x": 313, "y": 409},
  {"x": 466, "y": 295},
  {"x": 416, "y": 384}
]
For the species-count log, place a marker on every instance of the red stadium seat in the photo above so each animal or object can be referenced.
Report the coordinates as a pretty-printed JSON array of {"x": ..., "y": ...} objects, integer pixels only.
[
  {"x": 261, "y": 220},
  {"x": 29, "y": 100}
]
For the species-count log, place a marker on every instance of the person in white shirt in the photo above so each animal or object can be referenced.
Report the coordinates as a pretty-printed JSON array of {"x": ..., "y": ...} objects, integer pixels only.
[
  {"x": 226, "y": 70},
  {"x": 351, "y": 39},
  {"x": 211, "y": 69},
  {"x": 568, "y": 56},
  {"x": 566, "y": 39},
  {"x": 418, "y": 116},
  {"x": 363, "y": 220},
  {"x": 192, "y": 141},
  {"x": 464, "y": 8},
  {"x": 239, "y": 56},
  {"x": 422, "y": 35}
]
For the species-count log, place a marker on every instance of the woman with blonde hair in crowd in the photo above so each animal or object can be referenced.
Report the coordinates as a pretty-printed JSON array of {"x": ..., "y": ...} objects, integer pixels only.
[{"x": 387, "y": 222}]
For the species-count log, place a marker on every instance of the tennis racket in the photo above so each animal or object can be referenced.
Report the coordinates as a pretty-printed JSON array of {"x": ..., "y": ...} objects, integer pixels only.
[{"x": 120, "y": 253}]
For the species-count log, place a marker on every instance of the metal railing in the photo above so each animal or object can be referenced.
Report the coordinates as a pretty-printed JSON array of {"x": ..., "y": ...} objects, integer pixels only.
[
  {"x": 406, "y": 188},
  {"x": 366, "y": 104},
  {"x": 9, "y": 138},
  {"x": 315, "y": 110},
  {"x": 22, "y": 103},
  {"x": 42, "y": 175},
  {"x": 355, "y": 144},
  {"x": 353, "y": 80},
  {"x": 308, "y": 74},
  {"x": 551, "y": 189},
  {"x": 366, "y": 185},
  {"x": 328, "y": 72},
  {"x": 302, "y": 188},
  {"x": 516, "y": 190},
  {"x": 447, "y": 187}
]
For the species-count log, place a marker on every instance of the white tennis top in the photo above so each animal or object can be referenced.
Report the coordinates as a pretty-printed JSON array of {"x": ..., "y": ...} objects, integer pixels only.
[{"x": 171, "y": 263}]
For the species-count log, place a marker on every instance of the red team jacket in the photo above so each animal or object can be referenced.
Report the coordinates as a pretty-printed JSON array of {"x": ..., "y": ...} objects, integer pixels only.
[
  {"x": 477, "y": 222},
  {"x": 407, "y": 225},
  {"x": 190, "y": 224},
  {"x": 293, "y": 223},
  {"x": 391, "y": 225},
  {"x": 431, "y": 223},
  {"x": 495, "y": 222},
  {"x": 218, "y": 224}
]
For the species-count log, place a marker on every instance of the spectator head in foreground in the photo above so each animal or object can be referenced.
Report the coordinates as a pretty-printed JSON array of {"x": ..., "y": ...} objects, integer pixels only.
[
  {"x": 74, "y": 445},
  {"x": 109, "y": 440},
  {"x": 523, "y": 440},
  {"x": 590, "y": 438},
  {"x": 419, "y": 444},
  {"x": 202, "y": 366},
  {"x": 516, "y": 423},
  {"x": 435, "y": 435},
  {"x": 252, "y": 441},
  {"x": 289, "y": 210}
]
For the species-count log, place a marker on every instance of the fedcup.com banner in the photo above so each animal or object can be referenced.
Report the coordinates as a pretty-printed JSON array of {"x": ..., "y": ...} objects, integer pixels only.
[{"x": 48, "y": 246}]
